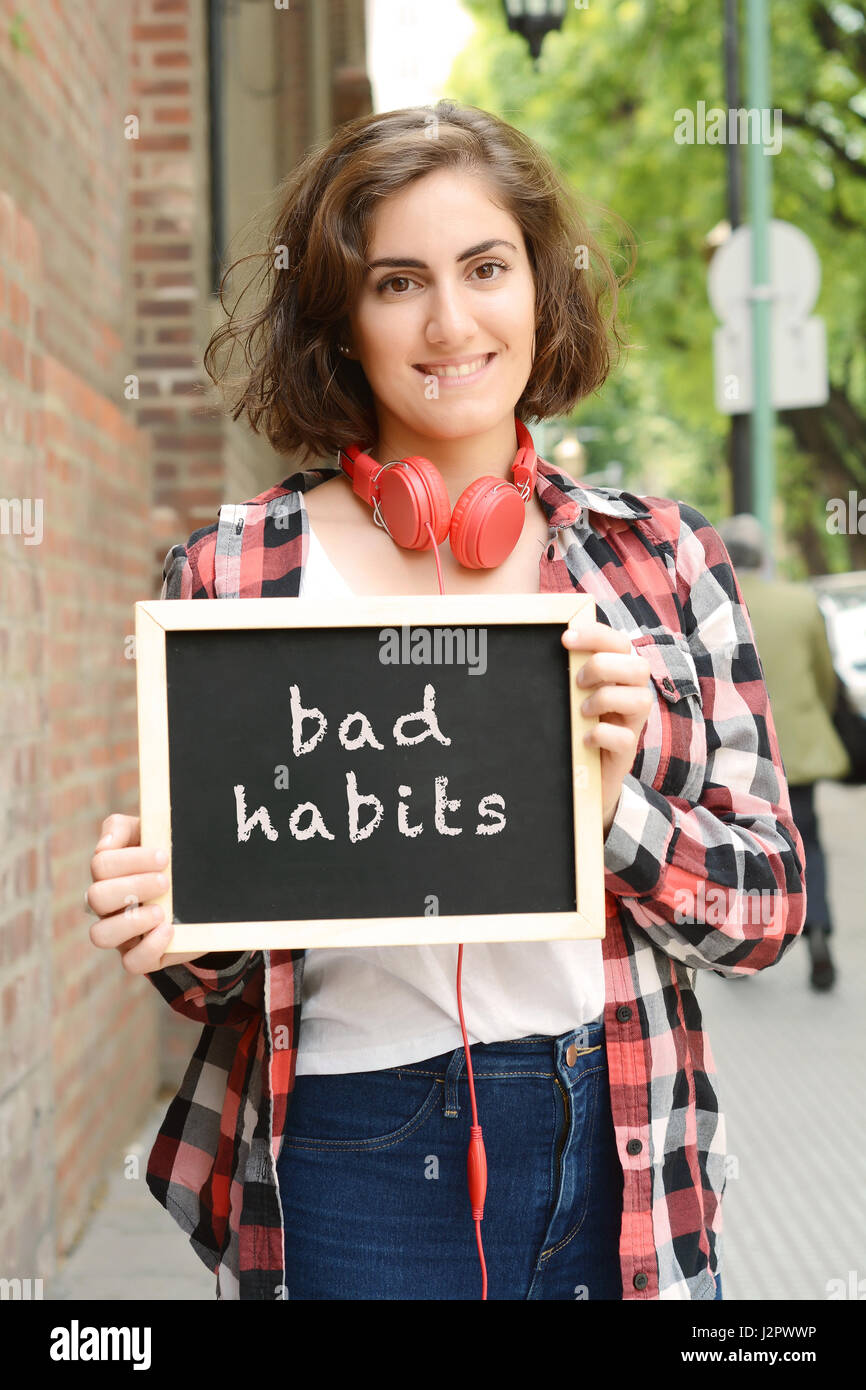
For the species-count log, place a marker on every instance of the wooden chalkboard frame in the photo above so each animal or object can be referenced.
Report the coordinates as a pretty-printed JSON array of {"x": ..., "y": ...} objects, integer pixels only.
[{"x": 155, "y": 618}]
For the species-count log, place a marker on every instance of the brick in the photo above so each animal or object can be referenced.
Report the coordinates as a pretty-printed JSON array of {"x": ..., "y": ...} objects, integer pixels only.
[{"x": 84, "y": 304}]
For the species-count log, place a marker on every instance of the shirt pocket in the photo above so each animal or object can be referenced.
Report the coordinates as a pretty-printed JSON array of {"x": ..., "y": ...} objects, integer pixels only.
[{"x": 672, "y": 752}]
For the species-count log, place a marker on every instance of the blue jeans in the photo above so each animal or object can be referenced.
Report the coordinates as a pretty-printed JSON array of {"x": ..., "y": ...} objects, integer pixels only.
[{"x": 372, "y": 1177}]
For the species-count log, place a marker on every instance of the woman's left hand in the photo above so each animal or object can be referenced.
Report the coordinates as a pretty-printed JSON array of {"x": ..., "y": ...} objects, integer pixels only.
[{"x": 617, "y": 685}]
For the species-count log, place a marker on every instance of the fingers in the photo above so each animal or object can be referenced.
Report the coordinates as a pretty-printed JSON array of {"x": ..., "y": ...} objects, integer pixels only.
[
  {"x": 126, "y": 877},
  {"x": 632, "y": 701},
  {"x": 118, "y": 863},
  {"x": 616, "y": 668},
  {"x": 115, "y": 893},
  {"x": 613, "y": 738},
  {"x": 118, "y": 831},
  {"x": 613, "y": 658},
  {"x": 121, "y": 928},
  {"x": 143, "y": 956},
  {"x": 123, "y": 871},
  {"x": 595, "y": 637}
]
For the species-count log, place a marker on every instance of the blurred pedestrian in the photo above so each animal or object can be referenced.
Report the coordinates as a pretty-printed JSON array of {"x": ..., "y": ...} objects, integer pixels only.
[{"x": 792, "y": 645}]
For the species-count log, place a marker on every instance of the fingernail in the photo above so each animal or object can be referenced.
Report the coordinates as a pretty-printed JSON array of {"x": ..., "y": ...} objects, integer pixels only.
[
  {"x": 161, "y": 858},
  {"x": 105, "y": 841},
  {"x": 162, "y": 880}
]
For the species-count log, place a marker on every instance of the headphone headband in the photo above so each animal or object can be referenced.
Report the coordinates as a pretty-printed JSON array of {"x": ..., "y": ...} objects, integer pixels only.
[{"x": 364, "y": 476}]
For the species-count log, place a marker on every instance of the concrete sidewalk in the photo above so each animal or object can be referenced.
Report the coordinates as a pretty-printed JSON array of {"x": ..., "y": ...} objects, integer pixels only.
[
  {"x": 791, "y": 1080},
  {"x": 790, "y": 1065},
  {"x": 132, "y": 1248}
]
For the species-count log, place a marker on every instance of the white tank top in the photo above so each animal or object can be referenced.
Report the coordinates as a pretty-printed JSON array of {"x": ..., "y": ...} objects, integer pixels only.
[{"x": 364, "y": 1008}]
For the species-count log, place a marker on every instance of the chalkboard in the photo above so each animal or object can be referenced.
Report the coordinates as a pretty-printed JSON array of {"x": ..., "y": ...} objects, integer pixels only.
[{"x": 372, "y": 771}]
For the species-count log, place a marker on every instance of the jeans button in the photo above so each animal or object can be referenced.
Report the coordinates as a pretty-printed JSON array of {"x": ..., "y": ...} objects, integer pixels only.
[{"x": 571, "y": 1055}]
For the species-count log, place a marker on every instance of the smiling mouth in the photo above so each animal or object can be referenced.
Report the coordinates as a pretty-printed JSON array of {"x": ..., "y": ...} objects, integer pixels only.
[{"x": 465, "y": 369}]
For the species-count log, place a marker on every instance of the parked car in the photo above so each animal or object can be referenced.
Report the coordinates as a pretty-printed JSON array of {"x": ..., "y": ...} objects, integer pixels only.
[{"x": 842, "y": 598}]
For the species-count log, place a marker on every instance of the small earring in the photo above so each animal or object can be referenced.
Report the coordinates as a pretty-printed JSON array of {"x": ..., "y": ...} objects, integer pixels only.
[{"x": 344, "y": 349}]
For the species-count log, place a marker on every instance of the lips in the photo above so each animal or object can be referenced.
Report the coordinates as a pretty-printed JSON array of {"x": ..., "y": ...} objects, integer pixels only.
[{"x": 469, "y": 368}]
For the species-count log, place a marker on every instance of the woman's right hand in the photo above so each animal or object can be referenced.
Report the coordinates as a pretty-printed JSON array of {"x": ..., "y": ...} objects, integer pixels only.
[{"x": 125, "y": 879}]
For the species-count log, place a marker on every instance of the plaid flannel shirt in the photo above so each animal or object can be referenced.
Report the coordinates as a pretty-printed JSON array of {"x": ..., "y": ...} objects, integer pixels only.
[{"x": 704, "y": 818}]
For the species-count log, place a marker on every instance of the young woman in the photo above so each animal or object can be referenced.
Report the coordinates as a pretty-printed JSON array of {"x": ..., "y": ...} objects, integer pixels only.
[{"x": 431, "y": 287}]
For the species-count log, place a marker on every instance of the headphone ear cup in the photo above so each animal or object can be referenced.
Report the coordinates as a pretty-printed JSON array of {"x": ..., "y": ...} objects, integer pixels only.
[
  {"x": 487, "y": 522},
  {"x": 410, "y": 494}
]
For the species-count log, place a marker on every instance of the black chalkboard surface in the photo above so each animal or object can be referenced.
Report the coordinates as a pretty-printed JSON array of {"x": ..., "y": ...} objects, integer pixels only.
[{"x": 379, "y": 771}]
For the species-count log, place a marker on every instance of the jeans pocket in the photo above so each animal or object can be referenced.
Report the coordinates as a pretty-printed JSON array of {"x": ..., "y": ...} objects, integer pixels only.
[{"x": 359, "y": 1110}]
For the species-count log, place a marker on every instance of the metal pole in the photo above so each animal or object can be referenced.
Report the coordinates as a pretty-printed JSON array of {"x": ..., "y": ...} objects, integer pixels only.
[
  {"x": 216, "y": 118},
  {"x": 739, "y": 460},
  {"x": 760, "y": 201},
  {"x": 319, "y": 72}
]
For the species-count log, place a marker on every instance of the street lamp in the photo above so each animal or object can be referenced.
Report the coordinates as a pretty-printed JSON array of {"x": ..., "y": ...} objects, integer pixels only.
[{"x": 534, "y": 19}]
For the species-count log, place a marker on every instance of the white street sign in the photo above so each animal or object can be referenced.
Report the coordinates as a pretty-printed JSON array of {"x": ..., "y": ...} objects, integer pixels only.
[{"x": 798, "y": 341}]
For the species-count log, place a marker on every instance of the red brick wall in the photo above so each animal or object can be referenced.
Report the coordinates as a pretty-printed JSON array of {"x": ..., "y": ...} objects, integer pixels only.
[
  {"x": 169, "y": 265},
  {"x": 79, "y": 1038},
  {"x": 108, "y": 418},
  {"x": 26, "y": 1129}
]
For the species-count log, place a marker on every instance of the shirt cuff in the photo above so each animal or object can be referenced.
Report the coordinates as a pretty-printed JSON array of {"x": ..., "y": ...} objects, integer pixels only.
[
  {"x": 219, "y": 968},
  {"x": 639, "y": 843}
]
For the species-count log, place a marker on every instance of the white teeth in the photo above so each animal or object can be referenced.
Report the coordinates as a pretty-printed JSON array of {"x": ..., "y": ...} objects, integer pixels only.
[{"x": 465, "y": 369}]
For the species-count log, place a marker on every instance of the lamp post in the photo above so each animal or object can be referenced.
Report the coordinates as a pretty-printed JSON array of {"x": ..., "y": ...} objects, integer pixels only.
[
  {"x": 534, "y": 19},
  {"x": 760, "y": 214}
]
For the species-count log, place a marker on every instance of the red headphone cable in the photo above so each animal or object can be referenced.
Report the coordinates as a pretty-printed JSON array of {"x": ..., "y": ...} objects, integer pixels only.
[{"x": 476, "y": 1159}]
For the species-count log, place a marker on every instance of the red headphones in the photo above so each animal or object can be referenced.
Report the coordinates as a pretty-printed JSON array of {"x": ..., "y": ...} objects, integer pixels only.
[{"x": 409, "y": 493}]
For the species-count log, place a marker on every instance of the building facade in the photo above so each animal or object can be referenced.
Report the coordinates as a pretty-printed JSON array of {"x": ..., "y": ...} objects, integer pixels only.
[{"x": 138, "y": 142}]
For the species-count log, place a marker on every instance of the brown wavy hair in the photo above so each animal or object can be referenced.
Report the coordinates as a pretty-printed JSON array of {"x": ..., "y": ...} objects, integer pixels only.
[{"x": 310, "y": 399}]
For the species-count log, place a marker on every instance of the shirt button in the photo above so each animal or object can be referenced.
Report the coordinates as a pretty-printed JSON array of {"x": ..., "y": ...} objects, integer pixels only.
[
  {"x": 571, "y": 1055},
  {"x": 668, "y": 683},
  {"x": 623, "y": 1013},
  {"x": 633, "y": 1146},
  {"x": 550, "y": 552},
  {"x": 640, "y": 1281}
]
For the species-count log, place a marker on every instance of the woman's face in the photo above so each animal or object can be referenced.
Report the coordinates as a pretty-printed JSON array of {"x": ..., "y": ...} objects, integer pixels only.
[{"x": 449, "y": 286}]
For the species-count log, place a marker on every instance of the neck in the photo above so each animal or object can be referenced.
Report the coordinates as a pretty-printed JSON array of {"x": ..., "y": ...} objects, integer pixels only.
[{"x": 460, "y": 461}]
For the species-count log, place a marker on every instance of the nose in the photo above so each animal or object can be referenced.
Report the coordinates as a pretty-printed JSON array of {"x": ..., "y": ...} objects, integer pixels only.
[{"x": 451, "y": 320}]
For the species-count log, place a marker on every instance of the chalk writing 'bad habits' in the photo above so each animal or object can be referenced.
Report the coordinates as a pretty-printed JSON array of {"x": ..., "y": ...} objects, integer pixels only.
[{"x": 490, "y": 808}]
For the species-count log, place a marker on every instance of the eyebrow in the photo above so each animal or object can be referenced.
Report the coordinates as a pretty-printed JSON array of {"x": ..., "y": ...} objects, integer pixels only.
[{"x": 409, "y": 261}]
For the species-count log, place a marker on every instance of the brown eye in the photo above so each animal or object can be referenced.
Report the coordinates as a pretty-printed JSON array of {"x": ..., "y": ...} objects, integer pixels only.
[
  {"x": 393, "y": 280},
  {"x": 494, "y": 267}
]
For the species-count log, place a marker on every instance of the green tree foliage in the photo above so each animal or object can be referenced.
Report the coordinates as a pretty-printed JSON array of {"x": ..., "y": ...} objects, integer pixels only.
[{"x": 603, "y": 103}]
